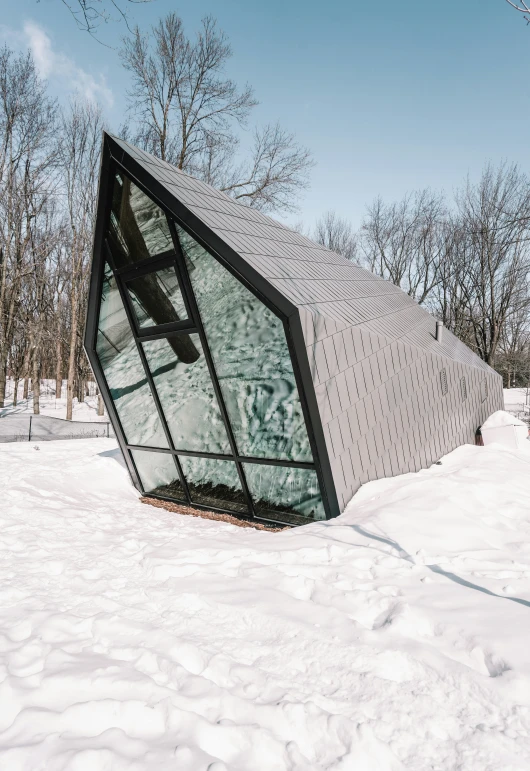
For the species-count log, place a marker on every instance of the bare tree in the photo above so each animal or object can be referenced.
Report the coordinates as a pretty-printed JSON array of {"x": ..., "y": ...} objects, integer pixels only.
[
  {"x": 79, "y": 155},
  {"x": 405, "y": 243},
  {"x": 187, "y": 112},
  {"x": 495, "y": 257},
  {"x": 27, "y": 133},
  {"x": 337, "y": 234},
  {"x": 89, "y": 15},
  {"x": 522, "y": 7}
]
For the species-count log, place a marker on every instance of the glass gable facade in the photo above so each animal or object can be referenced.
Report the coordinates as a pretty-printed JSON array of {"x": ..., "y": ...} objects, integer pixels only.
[{"x": 199, "y": 372}]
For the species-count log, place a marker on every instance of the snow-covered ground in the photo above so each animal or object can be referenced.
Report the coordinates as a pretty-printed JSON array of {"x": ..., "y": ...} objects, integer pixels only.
[
  {"x": 49, "y": 405},
  {"x": 394, "y": 637}
]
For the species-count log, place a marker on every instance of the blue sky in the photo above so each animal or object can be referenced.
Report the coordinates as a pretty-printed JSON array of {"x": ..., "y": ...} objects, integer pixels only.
[{"x": 389, "y": 96}]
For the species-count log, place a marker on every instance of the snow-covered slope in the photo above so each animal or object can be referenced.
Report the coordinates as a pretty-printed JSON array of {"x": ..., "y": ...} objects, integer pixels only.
[{"x": 395, "y": 637}]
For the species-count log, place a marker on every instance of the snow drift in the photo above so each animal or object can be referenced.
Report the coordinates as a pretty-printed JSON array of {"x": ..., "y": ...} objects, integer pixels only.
[{"x": 394, "y": 637}]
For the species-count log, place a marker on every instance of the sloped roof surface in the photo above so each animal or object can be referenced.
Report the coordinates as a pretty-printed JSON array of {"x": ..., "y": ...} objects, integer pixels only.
[{"x": 335, "y": 291}]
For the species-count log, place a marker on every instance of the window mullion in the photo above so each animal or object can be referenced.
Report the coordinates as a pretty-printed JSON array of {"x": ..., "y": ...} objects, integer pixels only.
[{"x": 181, "y": 263}]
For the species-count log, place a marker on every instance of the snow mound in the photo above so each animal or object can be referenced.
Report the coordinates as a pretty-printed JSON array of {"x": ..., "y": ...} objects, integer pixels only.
[
  {"x": 394, "y": 637},
  {"x": 500, "y": 419}
]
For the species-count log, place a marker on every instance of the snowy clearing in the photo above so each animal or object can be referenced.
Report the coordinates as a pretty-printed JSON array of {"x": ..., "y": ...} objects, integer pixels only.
[
  {"x": 49, "y": 405},
  {"x": 394, "y": 637}
]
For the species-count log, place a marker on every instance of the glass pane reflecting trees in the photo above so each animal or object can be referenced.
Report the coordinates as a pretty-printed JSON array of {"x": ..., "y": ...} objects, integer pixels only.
[
  {"x": 157, "y": 298},
  {"x": 138, "y": 228},
  {"x": 125, "y": 375}
]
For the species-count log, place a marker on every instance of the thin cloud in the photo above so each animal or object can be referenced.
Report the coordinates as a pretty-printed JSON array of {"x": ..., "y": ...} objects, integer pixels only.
[{"x": 59, "y": 67}]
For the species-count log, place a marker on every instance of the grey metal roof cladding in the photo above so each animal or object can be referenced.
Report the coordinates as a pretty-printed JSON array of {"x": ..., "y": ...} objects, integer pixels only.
[{"x": 373, "y": 364}]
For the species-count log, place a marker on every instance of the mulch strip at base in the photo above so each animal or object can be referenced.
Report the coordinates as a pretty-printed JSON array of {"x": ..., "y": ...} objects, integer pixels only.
[{"x": 178, "y": 508}]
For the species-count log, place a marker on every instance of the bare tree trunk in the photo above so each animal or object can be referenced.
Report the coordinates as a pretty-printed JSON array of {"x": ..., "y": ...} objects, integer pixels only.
[
  {"x": 15, "y": 392},
  {"x": 71, "y": 360},
  {"x": 36, "y": 384},
  {"x": 26, "y": 388},
  {"x": 3, "y": 378},
  {"x": 101, "y": 406},
  {"x": 59, "y": 369}
]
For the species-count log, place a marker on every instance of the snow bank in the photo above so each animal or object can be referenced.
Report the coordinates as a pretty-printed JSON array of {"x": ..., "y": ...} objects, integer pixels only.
[
  {"x": 394, "y": 637},
  {"x": 502, "y": 418}
]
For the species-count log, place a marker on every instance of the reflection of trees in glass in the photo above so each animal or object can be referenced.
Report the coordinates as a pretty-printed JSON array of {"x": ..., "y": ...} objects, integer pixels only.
[
  {"x": 139, "y": 230},
  {"x": 138, "y": 227},
  {"x": 124, "y": 372}
]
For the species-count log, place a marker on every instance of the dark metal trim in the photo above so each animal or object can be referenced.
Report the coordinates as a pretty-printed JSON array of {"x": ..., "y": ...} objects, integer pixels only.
[
  {"x": 306, "y": 390},
  {"x": 160, "y": 333},
  {"x": 211, "y": 367},
  {"x": 92, "y": 313},
  {"x": 130, "y": 317},
  {"x": 220, "y": 456},
  {"x": 147, "y": 265},
  {"x": 163, "y": 330}
]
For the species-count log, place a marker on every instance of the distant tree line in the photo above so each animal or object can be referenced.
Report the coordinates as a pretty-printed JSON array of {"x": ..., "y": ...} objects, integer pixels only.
[{"x": 467, "y": 260}]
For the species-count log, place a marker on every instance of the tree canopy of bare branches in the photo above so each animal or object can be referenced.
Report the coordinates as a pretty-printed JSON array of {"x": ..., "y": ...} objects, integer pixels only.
[
  {"x": 467, "y": 262},
  {"x": 404, "y": 242},
  {"x": 337, "y": 234},
  {"x": 522, "y": 7},
  {"x": 494, "y": 253},
  {"x": 91, "y": 14},
  {"x": 27, "y": 133},
  {"x": 186, "y": 111}
]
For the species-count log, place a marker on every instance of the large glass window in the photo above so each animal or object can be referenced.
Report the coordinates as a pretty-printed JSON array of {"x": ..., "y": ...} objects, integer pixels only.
[
  {"x": 252, "y": 361},
  {"x": 214, "y": 483},
  {"x": 244, "y": 346},
  {"x": 138, "y": 227},
  {"x": 186, "y": 393},
  {"x": 124, "y": 372},
  {"x": 158, "y": 474},
  {"x": 156, "y": 298},
  {"x": 279, "y": 491}
]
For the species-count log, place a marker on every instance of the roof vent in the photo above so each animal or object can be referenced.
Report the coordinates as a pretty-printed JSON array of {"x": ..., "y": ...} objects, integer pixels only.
[
  {"x": 439, "y": 330},
  {"x": 463, "y": 388},
  {"x": 443, "y": 381}
]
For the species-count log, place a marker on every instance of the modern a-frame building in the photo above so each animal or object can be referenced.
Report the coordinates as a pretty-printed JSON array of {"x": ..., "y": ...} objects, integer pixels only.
[{"x": 249, "y": 370}]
